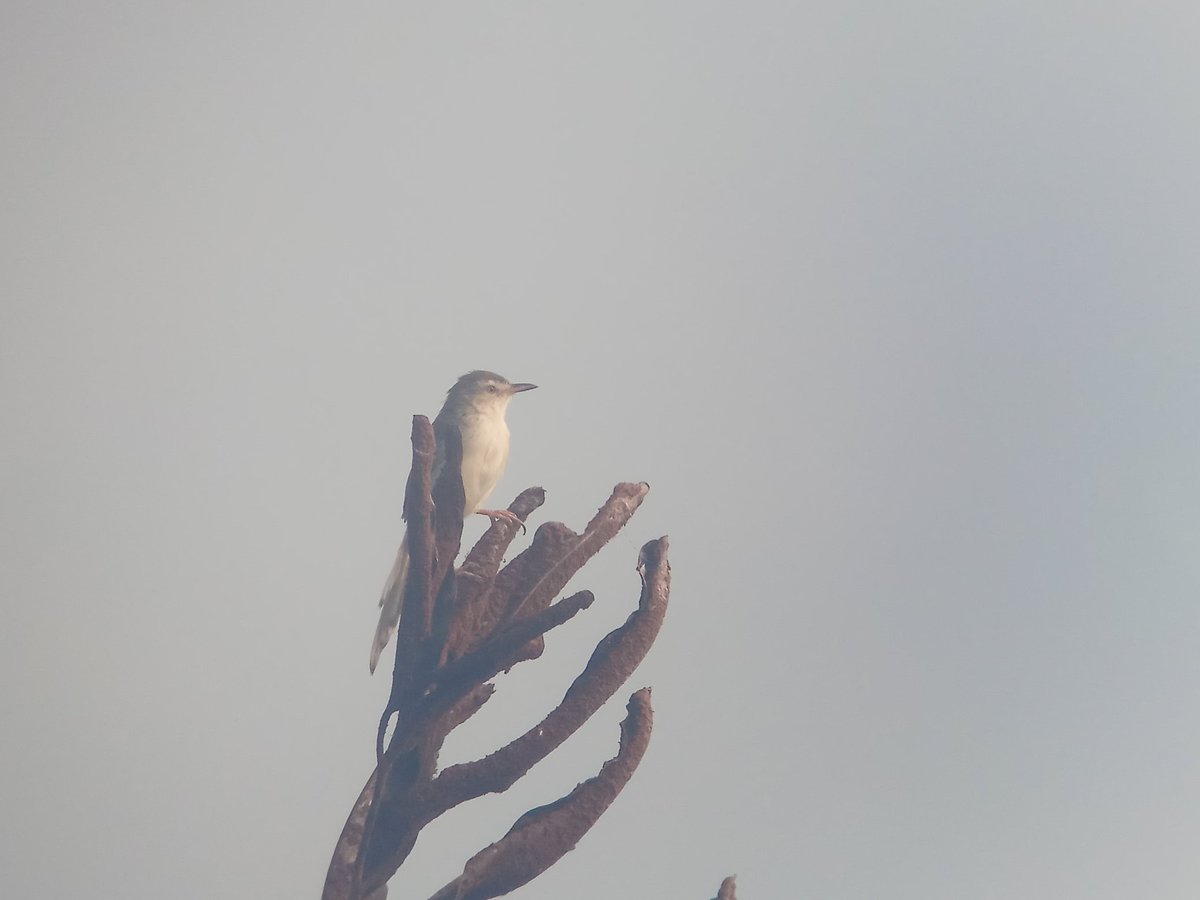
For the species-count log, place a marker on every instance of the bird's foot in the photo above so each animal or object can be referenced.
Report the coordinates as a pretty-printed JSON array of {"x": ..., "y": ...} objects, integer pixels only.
[{"x": 504, "y": 514}]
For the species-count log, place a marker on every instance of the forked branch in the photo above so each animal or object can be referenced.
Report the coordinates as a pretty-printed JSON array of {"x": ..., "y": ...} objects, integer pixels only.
[{"x": 459, "y": 629}]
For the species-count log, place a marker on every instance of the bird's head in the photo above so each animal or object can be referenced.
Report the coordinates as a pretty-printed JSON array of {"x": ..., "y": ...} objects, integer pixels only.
[{"x": 484, "y": 392}]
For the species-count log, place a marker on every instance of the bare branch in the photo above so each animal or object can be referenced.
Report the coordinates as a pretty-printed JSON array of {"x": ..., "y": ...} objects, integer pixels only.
[
  {"x": 341, "y": 879},
  {"x": 483, "y": 562},
  {"x": 728, "y": 889},
  {"x": 499, "y": 654},
  {"x": 544, "y": 835},
  {"x": 457, "y": 631},
  {"x": 418, "y": 513},
  {"x": 479, "y": 615},
  {"x": 611, "y": 517},
  {"x": 614, "y": 659}
]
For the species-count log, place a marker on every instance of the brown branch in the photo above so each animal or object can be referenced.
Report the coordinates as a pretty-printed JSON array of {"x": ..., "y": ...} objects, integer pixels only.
[
  {"x": 611, "y": 517},
  {"x": 543, "y": 836},
  {"x": 728, "y": 889},
  {"x": 341, "y": 879},
  {"x": 457, "y": 631},
  {"x": 614, "y": 659},
  {"x": 479, "y": 615},
  {"x": 418, "y": 513},
  {"x": 499, "y": 654},
  {"x": 452, "y": 681},
  {"x": 483, "y": 562},
  {"x": 345, "y": 870},
  {"x": 528, "y": 583}
]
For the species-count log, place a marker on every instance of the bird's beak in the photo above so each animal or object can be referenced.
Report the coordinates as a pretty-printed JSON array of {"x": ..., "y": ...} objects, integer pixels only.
[{"x": 523, "y": 386}]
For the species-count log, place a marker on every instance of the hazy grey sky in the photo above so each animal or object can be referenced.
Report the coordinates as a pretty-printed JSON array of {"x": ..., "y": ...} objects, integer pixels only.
[{"x": 895, "y": 305}]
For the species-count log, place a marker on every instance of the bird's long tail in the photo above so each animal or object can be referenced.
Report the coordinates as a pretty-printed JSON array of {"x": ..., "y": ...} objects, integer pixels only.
[{"x": 389, "y": 603}]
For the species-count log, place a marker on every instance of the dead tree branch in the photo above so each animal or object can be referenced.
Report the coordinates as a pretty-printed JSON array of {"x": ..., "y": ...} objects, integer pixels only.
[
  {"x": 728, "y": 889},
  {"x": 540, "y": 837},
  {"x": 459, "y": 629}
]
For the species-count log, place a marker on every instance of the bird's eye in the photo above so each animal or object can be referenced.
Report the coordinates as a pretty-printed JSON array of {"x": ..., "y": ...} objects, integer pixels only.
[{"x": 492, "y": 388}]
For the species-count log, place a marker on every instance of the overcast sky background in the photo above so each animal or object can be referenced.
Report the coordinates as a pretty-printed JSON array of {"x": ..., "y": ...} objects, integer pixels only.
[{"x": 894, "y": 305}]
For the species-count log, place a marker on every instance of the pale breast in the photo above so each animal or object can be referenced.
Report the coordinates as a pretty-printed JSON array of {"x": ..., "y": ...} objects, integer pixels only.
[{"x": 485, "y": 454}]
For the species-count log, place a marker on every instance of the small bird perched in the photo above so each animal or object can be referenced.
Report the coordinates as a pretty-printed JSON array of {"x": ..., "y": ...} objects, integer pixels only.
[{"x": 475, "y": 406}]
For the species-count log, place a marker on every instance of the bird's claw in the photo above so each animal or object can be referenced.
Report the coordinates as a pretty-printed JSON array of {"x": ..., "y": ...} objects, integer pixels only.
[{"x": 504, "y": 514}]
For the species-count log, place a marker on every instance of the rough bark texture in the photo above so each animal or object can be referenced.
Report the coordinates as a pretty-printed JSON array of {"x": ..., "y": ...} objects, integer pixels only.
[
  {"x": 540, "y": 837},
  {"x": 459, "y": 629}
]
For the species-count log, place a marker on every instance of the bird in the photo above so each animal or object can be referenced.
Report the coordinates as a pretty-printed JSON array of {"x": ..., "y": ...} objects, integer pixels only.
[{"x": 475, "y": 405}]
